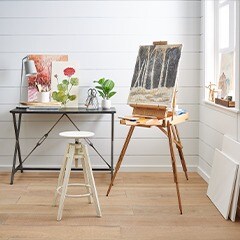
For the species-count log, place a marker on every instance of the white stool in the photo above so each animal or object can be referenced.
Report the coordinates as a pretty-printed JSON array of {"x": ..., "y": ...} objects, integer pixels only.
[{"x": 76, "y": 151}]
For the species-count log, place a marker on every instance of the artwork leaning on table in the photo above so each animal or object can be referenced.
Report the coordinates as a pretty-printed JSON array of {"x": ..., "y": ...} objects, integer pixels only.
[
  {"x": 155, "y": 74},
  {"x": 43, "y": 65}
]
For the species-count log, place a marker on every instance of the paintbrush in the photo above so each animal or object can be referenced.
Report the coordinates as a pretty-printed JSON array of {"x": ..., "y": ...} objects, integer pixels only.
[{"x": 39, "y": 87}]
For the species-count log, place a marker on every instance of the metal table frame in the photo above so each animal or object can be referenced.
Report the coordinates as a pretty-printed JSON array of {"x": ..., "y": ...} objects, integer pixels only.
[{"x": 64, "y": 112}]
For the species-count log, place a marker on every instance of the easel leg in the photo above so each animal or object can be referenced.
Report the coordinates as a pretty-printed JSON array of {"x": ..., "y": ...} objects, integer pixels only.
[
  {"x": 180, "y": 151},
  {"x": 121, "y": 157},
  {"x": 174, "y": 167}
]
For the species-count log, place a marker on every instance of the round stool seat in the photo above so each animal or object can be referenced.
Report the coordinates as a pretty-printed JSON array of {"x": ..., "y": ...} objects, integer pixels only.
[{"x": 76, "y": 134}]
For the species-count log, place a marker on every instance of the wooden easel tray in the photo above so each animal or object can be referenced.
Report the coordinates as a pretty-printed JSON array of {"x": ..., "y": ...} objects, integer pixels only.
[{"x": 149, "y": 122}]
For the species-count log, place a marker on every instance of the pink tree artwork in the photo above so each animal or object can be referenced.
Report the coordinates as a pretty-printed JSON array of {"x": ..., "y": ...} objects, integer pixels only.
[{"x": 43, "y": 78}]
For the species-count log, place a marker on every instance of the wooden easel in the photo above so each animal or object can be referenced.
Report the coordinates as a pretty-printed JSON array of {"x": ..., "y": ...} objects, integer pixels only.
[{"x": 164, "y": 120}]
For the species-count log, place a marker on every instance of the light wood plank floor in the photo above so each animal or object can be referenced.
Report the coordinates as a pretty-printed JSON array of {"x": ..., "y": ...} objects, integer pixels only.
[{"x": 140, "y": 206}]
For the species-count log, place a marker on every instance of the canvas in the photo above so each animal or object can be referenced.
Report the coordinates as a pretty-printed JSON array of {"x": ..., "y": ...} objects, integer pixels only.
[
  {"x": 65, "y": 72},
  {"x": 222, "y": 182},
  {"x": 44, "y": 67},
  {"x": 155, "y": 74},
  {"x": 231, "y": 148}
]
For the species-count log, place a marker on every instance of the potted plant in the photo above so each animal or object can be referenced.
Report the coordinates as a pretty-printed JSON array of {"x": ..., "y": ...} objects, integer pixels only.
[{"x": 104, "y": 88}]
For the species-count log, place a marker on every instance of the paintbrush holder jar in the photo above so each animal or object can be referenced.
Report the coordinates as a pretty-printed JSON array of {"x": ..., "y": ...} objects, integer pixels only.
[{"x": 43, "y": 97}]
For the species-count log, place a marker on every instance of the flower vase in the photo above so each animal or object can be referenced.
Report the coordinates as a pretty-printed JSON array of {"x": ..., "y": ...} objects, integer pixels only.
[{"x": 63, "y": 105}]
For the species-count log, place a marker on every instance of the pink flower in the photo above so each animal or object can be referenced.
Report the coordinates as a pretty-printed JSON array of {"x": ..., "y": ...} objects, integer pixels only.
[{"x": 69, "y": 71}]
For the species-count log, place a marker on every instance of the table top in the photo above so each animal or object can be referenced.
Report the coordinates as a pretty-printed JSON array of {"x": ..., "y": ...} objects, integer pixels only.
[{"x": 79, "y": 110}]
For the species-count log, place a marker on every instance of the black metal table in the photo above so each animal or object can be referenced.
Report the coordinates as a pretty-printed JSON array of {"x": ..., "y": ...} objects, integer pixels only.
[{"x": 63, "y": 112}]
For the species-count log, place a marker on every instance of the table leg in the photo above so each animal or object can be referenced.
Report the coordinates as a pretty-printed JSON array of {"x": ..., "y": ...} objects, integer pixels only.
[
  {"x": 112, "y": 144},
  {"x": 17, "y": 151}
]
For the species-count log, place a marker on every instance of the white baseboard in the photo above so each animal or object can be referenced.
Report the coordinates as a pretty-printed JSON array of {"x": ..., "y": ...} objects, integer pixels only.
[
  {"x": 124, "y": 168},
  {"x": 203, "y": 174}
]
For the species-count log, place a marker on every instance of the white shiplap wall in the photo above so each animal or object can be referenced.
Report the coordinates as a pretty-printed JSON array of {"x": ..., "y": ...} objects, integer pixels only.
[
  {"x": 103, "y": 36},
  {"x": 214, "y": 122}
]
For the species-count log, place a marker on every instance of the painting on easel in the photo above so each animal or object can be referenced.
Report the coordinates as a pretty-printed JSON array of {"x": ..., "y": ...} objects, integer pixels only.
[{"x": 155, "y": 74}]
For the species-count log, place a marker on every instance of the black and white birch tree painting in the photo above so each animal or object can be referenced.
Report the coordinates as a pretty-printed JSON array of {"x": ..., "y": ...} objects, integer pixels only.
[{"x": 155, "y": 75}]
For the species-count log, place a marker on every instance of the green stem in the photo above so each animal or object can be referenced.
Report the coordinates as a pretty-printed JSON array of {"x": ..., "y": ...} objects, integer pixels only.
[
  {"x": 70, "y": 89},
  {"x": 68, "y": 83}
]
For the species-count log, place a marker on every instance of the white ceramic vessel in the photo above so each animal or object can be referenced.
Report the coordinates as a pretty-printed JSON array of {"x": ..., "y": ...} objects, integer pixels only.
[
  {"x": 106, "y": 104},
  {"x": 43, "y": 97}
]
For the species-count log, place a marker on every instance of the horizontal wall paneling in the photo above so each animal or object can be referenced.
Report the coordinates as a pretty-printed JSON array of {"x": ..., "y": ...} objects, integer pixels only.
[{"x": 103, "y": 37}]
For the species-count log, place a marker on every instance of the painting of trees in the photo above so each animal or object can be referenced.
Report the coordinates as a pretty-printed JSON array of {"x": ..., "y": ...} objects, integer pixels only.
[{"x": 155, "y": 74}]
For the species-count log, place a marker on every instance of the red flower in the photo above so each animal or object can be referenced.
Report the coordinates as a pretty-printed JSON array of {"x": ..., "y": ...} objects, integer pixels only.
[{"x": 69, "y": 71}]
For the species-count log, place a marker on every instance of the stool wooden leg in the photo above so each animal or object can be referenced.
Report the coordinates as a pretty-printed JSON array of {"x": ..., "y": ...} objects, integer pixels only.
[
  {"x": 86, "y": 179},
  {"x": 174, "y": 167},
  {"x": 66, "y": 180},
  {"x": 91, "y": 180},
  {"x": 61, "y": 176}
]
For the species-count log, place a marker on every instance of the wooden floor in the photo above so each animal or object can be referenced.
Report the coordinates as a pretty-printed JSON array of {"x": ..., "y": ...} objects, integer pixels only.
[{"x": 140, "y": 206}]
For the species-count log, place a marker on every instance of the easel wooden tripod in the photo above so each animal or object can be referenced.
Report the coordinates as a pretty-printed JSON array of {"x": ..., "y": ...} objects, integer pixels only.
[{"x": 159, "y": 117}]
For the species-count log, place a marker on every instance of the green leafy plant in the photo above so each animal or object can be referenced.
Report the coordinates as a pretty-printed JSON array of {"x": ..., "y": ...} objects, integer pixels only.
[
  {"x": 64, "y": 88},
  {"x": 105, "y": 87}
]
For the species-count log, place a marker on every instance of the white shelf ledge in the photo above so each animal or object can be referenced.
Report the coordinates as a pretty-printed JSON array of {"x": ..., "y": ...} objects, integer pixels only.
[{"x": 217, "y": 106}]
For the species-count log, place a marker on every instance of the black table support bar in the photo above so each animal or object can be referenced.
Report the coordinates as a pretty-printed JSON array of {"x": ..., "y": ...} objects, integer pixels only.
[
  {"x": 63, "y": 112},
  {"x": 88, "y": 141},
  {"x": 42, "y": 139}
]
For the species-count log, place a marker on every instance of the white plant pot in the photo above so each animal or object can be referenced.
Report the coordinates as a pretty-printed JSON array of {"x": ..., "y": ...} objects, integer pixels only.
[
  {"x": 43, "y": 97},
  {"x": 106, "y": 104}
]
